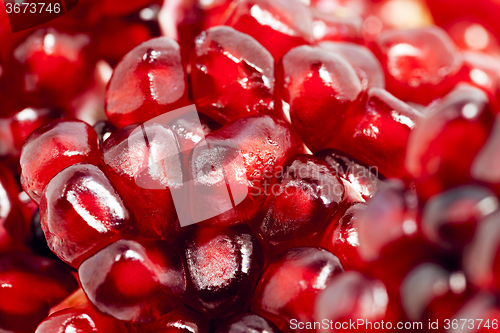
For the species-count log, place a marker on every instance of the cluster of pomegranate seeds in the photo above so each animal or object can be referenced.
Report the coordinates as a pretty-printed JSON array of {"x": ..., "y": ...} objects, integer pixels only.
[{"x": 251, "y": 166}]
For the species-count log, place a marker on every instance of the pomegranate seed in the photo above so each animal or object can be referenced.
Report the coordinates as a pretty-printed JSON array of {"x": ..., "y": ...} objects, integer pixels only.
[
  {"x": 352, "y": 296},
  {"x": 364, "y": 62},
  {"x": 420, "y": 64},
  {"x": 182, "y": 320},
  {"x": 234, "y": 166},
  {"x": 53, "y": 147},
  {"x": 115, "y": 37},
  {"x": 81, "y": 321},
  {"x": 248, "y": 323},
  {"x": 444, "y": 144},
  {"x": 81, "y": 213},
  {"x": 483, "y": 71},
  {"x": 134, "y": 281},
  {"x": 309, "y": 195},
  {"x": 29, "y": 286},
  {"x": 290, "y": 285},
  {"x": 335, "y": 28},
  {"x": 342, "y": 238},
  {"x": 232, "y": 75},
  {"x": 278, "y": 25},
  {"x": 117, "y": 8},
  {"x": 481, "y": 261},
  {"x": 148, "y": 81},
  {"x": 238, "y": 257},
  {"x": 316, "y": 88},
  {"x": 387, "y": 228},
  {"x": 364, "y": 179},
  {"x": 377, "y": 133},
  {"x": 14, "y": 226},
  {"x": 54, "y": 65},
  {"x": 450, "y": 218},
  {"x": 484, "y": 165},
  {"x": 429, "y": 292},
  {"x": 144, "y": 164}
]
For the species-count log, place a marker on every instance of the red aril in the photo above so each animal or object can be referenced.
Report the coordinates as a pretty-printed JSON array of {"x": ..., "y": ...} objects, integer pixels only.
[
  {"x": 29, "y": 286},
  {"x": 144, "y": 163},
  {"x": 420, "y": 64},
  {"x": 232, "y": 75},
  {"x": 135, "y": 281},
  {"x": 315, "y": 89},
  {"x": 234, "y": 167},
  {"x": 81, "y": 213},
  {"x": 444, "y": 144},
  {"x": 291, "y": 284},
  {"x": 80, "y": 320},
  {"x": 364, "y": 62},
  {"x": 309, "y": 195},
  {"x": 53, "y": 147},
  {"x": 278, "y": 25}
]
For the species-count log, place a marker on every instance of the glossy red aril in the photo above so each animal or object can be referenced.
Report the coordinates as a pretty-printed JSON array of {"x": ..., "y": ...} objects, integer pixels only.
[
  {"x": 377, "y": 133},
  {"x": 444, "y": 144},
  {"x": 483, "y": 71},
  {"x": 341, "y": 238},
  {"x": 117, "y": 36},
  {"x": 278, "y": 25},
  {"x": 53, "y": 147},
  {"x": 309, "y": 194},
  {"x": 326, "y": 26},
  {"x": 103, "y": 129},
  {"x": 484, "y": 166},
  {"x": 290, "y": 285},
  {"x": 387, "y": 228},
  {"x": 29, "y": 286},
  {"x": 117, "y": 8},
  {"x": 15, "y": 129},
  {"x": 234, "y": 166},
  {"x": 483, "y": 306},
  {"x": 248, "y": 323},
  {"x": 481, "y": 260},
  {"x": 144, "y": 163},
  {"x": 315, "y": 89},
  {"x": 223, "y": 267},
  {"x": 80, "y": 320},
  {"x": 351, "y": 296},
  {"x": 134, "y": 281},
  {"x": 81, "y": 213},
  {"x": 54, "y": 65},
  {"x": 14, "y": 227},
  {"x": 365, "y": 180},
  {"x": 429, "y": 292},
  {"x": 473, "y": 36},
  {"x": 483, "y": 12},
  {"x": 191, "y": 128},
  {"x": 148, "y": 81},
  {"x": 232, "y": 75},
  {"x": 420, "y": 64},
  {"x": 363, "y": 61},
  {"x": 181, "y": 320},
  {"x": 450, "y": 218}
]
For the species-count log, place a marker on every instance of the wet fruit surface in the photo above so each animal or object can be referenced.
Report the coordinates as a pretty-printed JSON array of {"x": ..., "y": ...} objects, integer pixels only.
[
  {"x": 232, "y": 75},
  {"x": 212, "y": 166},
  {"x": 133, "y": 281},
  {"x": 133, "y": 94}
]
